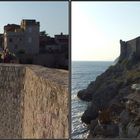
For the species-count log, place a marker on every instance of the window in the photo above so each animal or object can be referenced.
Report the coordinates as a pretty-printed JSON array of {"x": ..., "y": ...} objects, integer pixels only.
[{"x": 10, "y": 40}]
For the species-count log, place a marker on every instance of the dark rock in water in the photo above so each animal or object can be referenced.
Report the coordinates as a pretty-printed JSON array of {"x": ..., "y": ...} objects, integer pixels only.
[
  {"x": 90, "y": 114},
  {"x": 83, "y": 95},
  {"x": 86, "y": 94},
  {"x": 113, "y": 91},
  {"x": 103, "y": 82}
]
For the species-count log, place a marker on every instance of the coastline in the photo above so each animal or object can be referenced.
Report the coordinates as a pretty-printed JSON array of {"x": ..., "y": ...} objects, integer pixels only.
[
  {"x": 82, "y": 74},
  {"x": 115, "y": 109}
]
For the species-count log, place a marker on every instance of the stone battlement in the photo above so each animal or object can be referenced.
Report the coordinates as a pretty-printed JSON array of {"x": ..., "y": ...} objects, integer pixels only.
[
  {"x": 130, "y": 48},
  {"x": 34, "y": 102}
]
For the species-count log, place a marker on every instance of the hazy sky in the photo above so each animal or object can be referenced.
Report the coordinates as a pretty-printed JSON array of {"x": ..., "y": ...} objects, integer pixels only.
[
  {"x": 53, "y": 16},
  {"x": 97, "y": 28}
]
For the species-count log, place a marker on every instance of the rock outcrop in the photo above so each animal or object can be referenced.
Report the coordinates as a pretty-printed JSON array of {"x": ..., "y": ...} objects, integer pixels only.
[
  {"x": 33, "y": 102},
  {"x": 115, "y": 97}
]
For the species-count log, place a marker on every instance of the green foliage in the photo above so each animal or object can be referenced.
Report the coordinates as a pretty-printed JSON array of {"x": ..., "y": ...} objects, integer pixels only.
[
  {"x": 133, "y": 74},
  {"x": 43, "y": 33},
  {"x": 125, "y": 62},
  {"x": 128, "y": 63}
]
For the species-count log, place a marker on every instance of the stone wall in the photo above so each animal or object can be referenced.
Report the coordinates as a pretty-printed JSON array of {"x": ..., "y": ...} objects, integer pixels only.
[
  {"x": 56, "y": 60},
  {"x": 51, "y": 60},
  {"x": 11, "y": 101},
  {"x": 34, "y": 102},
  {"x": 130, "y": 48}
]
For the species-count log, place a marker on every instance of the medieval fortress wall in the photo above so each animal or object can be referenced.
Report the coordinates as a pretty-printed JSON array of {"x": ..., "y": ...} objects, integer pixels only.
[
  {"x": 130, "y": 48},
  {"x": 33, "y": 102}
]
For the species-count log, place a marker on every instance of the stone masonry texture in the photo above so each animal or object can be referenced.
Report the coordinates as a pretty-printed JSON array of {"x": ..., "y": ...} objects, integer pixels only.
[{"x": 33, "y": 102}]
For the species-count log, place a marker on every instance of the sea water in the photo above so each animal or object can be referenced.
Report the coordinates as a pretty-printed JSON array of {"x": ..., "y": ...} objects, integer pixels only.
[{"x": 83, "y": 72}]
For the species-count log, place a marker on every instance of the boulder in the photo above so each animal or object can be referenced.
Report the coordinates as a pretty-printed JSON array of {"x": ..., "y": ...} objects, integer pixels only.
[
  {"x": 105, "y": 94},
  {"x": 110, "y": 130},
  {"x": 93, "y": 124},
  {"x": 84, "y": 95},
  {"x": 125, "y": 117},
  {"x": 90, "y": 114},
  {"x": 133, "y": 131}
]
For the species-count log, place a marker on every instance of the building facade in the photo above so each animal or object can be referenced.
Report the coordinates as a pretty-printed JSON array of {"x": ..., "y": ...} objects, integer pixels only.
[
  {"x": 62, "y": 40},
  {"x": 22, "y": 38}
]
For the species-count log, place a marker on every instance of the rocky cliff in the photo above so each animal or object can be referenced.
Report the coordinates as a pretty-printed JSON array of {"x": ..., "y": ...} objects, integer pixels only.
[
  {"x": 115, "y": 98},
  {"x": 33, "y": 102}
]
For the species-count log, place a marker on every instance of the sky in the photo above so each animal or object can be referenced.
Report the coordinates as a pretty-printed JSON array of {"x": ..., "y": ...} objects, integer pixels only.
[
  {"x": 53, "y": 16},
  {"x": 97, "y": 28}
]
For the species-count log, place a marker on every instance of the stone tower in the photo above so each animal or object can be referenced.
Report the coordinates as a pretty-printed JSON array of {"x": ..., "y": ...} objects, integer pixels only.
[
  {"x": 23, "y": 37},
  {"x": 13, "y": 38},
  {"x": 31, "y": 35},
  {"x": 130, "y": 49}
]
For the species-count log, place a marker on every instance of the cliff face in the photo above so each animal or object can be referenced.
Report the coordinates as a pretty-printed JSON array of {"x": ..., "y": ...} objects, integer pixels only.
[
  {"x": 34, "y": 102},
  {"x": 115, "y": 109}
]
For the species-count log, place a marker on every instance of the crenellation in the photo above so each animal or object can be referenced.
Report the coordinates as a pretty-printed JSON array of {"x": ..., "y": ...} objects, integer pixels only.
[{"x": 130, "y": 49}]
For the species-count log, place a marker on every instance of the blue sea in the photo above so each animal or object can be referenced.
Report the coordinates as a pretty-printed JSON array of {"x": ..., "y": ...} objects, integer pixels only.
[{"x": 83, "y": 72}]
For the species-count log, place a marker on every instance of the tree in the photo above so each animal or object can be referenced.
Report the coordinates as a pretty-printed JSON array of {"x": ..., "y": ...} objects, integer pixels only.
[{"x": 43, "y": 33}]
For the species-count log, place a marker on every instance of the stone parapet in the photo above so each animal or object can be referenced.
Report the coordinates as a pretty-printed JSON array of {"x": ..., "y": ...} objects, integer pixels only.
[{"x": 34, "y": 102}]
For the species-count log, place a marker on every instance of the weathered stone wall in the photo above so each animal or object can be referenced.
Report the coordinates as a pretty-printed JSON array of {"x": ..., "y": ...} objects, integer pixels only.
[
  {"x": 130, "y": 48},
  {"x": 34, "y": 102},
  {"x": 138, "y": 47},
  {"x": 46, "y": 110},
  {"x": 51, "y": 60},
  {"x": 11, "y": 101}
]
